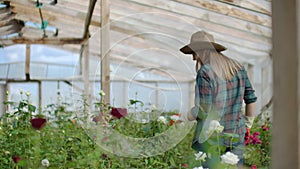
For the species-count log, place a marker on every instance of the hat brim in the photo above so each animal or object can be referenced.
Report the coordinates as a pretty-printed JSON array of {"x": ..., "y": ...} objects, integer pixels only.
[{"x": 196, "y": 46}]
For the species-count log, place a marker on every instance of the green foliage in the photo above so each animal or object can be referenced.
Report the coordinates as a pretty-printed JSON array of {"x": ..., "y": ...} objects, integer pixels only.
[
  {"x": 65, "y": 144},
  {"x": 62, "y": 141}
]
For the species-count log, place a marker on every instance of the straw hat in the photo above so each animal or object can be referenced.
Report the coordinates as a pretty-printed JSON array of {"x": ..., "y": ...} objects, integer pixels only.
[{"x": 202, "y": 40}]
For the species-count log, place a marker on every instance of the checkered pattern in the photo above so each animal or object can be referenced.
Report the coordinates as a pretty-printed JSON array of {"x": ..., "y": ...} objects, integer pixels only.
[{"x": 222, "y": 100}]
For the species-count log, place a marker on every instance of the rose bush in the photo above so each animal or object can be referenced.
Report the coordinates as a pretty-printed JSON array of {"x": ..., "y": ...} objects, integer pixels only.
[
  {"x": 53, "y": 137},
  {"x": 258, "y": 144}
]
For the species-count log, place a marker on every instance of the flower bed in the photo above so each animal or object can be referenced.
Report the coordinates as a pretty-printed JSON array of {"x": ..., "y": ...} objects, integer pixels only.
[
  {"x": 54, "y": 137},
  {"x": 258, "y": 145}
]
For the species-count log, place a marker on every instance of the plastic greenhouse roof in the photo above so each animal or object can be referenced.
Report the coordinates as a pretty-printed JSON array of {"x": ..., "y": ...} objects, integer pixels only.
[{"x": 144, "y": 36}]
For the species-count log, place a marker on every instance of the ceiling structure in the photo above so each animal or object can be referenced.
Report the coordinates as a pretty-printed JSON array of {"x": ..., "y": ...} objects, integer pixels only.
[{"x": 144, "y": 34}]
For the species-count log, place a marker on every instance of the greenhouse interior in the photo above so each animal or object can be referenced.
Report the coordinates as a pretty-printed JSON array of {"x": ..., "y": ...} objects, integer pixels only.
[{"x": 101, "y": 84}]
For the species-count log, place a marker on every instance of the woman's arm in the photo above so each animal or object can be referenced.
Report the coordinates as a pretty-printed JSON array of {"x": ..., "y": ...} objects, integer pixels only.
[
  {"x": 250, "y": 109},
  {"x": 249, "y": 115}
]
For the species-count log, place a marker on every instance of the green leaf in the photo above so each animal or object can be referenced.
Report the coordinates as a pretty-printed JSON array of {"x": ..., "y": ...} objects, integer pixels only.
[
  {"x": 231, "y": 135},
  {"x": 172, "y": 161},
  {"x": 31, "y": 108},
  {"x": 22, "y": 104},
  {"x": 8, "y": 103},
  {"x": 131, "y": 102}
]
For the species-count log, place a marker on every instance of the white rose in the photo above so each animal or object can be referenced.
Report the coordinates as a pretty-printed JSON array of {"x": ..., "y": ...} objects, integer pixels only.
[
  {"x": 200, "y": 156},
  {"x": 214, "y": 125},
  {"x": 25, "y": 109},
  {"x": 153, "y": 107},
  {"x": 198, "y": 167},
  {"x": 144, "y": 121},
  {"x": 162, "y": 119},
  {"x": 45, "y": 163},
  {"x": 220, "y": 129},
  {"x": 27, "y": 93},
  {"x": 230, "y": 158},
  {"x": 102, "y": 93}
]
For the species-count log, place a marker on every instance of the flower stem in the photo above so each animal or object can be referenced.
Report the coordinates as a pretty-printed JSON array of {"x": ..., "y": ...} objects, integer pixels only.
[
  {"x": 231, "y": 140},
  {"x": 219, "y": 149}
]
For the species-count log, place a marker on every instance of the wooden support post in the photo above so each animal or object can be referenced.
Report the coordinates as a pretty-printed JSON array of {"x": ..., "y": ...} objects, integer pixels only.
[
  {"x": 286, "y": 59},
  {"x": 40, "y": 94},
  {"x": 27, "y": 62},
  {"x": 2, "y": 98},
  {"x": 105, "y": 69},
  {"x": 86, "y": 73}
]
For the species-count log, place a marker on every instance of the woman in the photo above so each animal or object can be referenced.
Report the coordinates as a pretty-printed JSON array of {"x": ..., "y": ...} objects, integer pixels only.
[{"x": 222, "y": 87}]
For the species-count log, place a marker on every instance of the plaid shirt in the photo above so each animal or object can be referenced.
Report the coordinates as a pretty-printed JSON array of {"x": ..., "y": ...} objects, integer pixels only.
[{"x": 222, "y": 100}]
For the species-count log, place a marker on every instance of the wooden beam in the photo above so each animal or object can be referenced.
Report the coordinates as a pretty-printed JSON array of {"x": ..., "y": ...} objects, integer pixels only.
[
  {"x": 86, "y": 72},
  {"x": 105, "y": 46},
  {"x": 231, "y": 10},
  {"x": 82, "y": 6},
  {"x": 261, "y": 6},
  {"x": 49, "y": 11},
  {"x": 79, "y": 5},
  {"x": 10, "y": 29},
  {"x": 6, "y": 19},
  {"x": 65, "y": 28},
  {"x": 88, "y": 18},
  {"x": 48, "y": 41}
]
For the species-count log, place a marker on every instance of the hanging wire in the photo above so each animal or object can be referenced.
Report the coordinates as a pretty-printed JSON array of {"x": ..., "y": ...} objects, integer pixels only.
[{"x": 44, "y": 23}]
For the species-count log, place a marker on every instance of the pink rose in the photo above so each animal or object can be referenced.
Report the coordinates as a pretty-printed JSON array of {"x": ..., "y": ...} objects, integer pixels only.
[
  {"x": 185, "y": 165},
  {"x": 253, "y": 166}
]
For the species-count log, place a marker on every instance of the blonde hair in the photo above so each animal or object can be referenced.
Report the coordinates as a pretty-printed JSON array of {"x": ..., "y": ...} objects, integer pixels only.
[{"x": 223, "y": 66}]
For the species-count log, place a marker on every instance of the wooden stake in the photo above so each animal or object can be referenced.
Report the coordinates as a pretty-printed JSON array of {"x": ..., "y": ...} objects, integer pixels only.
[
  {"x": 105, "y": 70},
  {"x": 27, "y": 62}
]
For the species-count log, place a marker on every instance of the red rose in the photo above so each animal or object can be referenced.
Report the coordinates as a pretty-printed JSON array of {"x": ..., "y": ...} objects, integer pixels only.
[
  {"x": 118, "y": 112},
  {"x": 247, "y": 136},
  {"x": 16, "y": 159},
  {"x": 253, "y": 166},
  {"x": 38, "y": 122},
  {"x": 185, "y": 165},
  {"x": 265, "y": 128}
]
